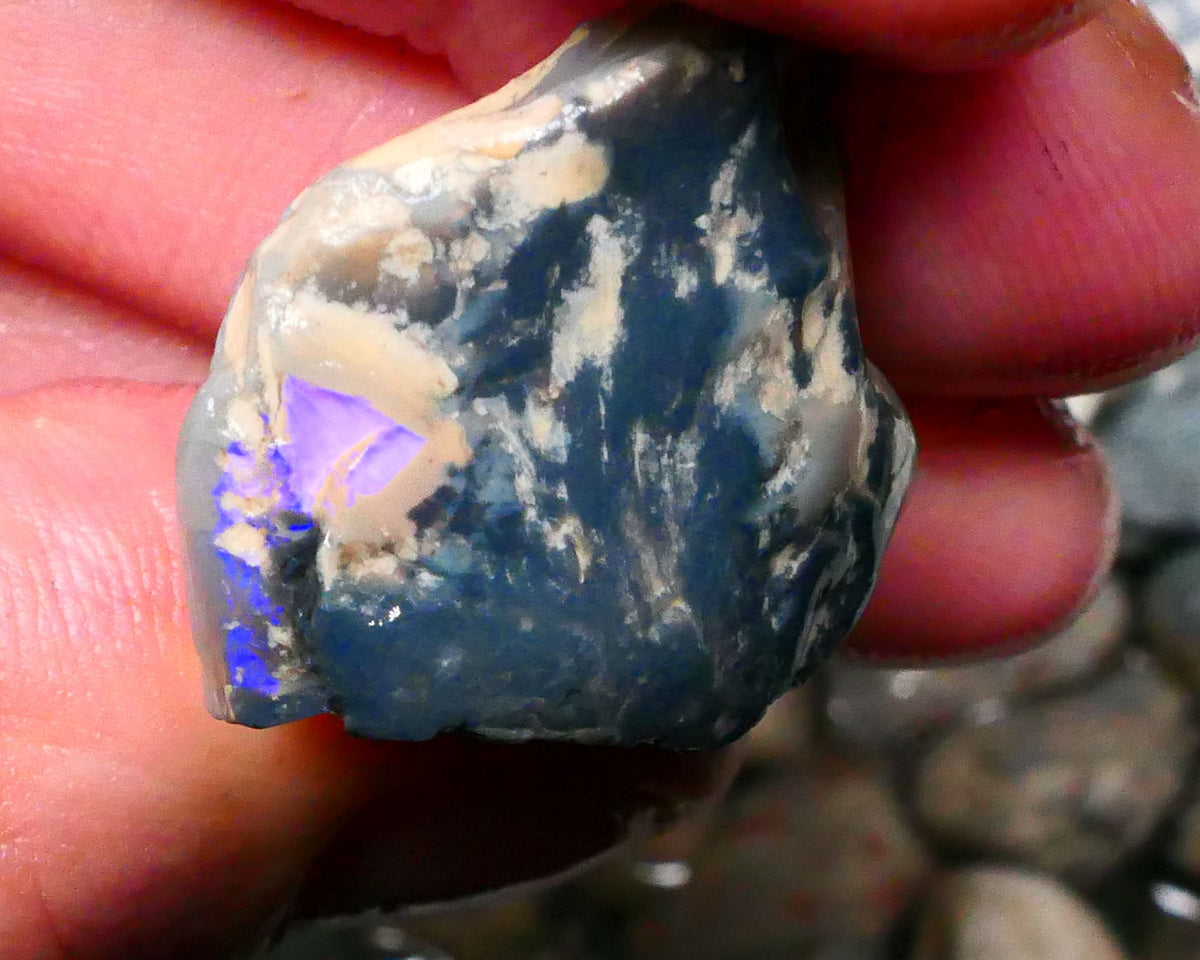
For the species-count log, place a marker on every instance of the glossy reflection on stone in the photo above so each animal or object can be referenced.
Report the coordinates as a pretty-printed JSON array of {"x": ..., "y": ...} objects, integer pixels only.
[{"x": 548, "y": 419}]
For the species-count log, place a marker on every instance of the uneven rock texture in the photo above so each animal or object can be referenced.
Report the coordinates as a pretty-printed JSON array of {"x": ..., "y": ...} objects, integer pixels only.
[{"x": 547, "y": 420}]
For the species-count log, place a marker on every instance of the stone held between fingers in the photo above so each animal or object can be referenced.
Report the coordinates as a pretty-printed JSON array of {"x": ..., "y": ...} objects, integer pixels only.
[{"x": 548, "y": 420}]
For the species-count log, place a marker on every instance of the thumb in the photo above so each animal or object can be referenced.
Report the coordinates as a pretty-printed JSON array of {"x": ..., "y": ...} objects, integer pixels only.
[{"x": 132, "y": 824}]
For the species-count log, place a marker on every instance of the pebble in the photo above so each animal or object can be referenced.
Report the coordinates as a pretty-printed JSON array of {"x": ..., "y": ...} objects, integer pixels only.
[
  {"x": 1150, "y": 432},
  {"x": 1171, "y": 615},
  {"x": 873, "y": 708},
  {"x": 1069, "y": 785},
  {"x": 815, "y": 859},
  {"x": 1001, "y": 913}
]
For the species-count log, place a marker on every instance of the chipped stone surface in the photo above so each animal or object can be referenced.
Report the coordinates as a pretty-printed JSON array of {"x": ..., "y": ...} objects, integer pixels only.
[
  {"x": 1068, "y": 786},
  {"x": 546, "y": 420}
]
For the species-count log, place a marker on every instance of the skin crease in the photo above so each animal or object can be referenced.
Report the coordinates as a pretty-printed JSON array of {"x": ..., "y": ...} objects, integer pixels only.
[
  {"x": 133, "y": 188},
  {"x": 54, "y": 331}
]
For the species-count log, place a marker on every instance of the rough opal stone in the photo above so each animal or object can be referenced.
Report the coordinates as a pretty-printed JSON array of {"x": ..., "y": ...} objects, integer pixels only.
[{"x": 547, "y": 420}]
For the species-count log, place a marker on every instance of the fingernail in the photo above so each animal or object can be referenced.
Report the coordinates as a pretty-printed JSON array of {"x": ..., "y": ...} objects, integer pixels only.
[
  {"x": 1144, "y": 46},
  {"x": 1011, "y": 34}
]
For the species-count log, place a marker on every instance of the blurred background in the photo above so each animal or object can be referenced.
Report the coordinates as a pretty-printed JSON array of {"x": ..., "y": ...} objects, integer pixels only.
[{"x": 1042, "y": 807}]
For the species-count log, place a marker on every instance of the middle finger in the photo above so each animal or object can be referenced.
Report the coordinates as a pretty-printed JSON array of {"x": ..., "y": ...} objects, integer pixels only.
[{"x": 152, "y": 176}]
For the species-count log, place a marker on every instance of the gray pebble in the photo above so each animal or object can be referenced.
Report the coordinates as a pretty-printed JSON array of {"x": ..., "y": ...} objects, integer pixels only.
[
  {"x": 873, "y": 708},
  {"x": 1171, "y": 615},
  {"x": 1069, "y": 785},
  {"x": 1151, "y": 434}
]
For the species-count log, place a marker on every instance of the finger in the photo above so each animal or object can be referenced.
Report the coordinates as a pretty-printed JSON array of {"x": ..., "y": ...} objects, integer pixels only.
[
  {"x": 1032, "y": 229},
  {"x": 916, "y": 33},
  {"x": 1008, "y": 527},
  {"x": 944, "y": 200},
  {"x": 150, "y": 174},
  {"x": 50, "y": 332},
  {"x": 487, "y": 41},
  {"x": 114, "y": 790},
  {"x": 132, "y": 824}
]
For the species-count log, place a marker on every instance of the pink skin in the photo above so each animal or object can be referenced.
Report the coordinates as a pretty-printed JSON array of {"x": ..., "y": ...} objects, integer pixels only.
[{"x": 1016, "y": 234}]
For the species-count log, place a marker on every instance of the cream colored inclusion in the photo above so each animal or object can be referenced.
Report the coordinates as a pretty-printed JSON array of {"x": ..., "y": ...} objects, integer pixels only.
[
  {"x": 546, "y": 430},
  {"x": 687, "y": 280},
  {"x": 822, "y": 335},
  {"x": 301, "y": 333},
  {"x": 570, "y": 169},
  {"x": 247, "y": 543},
  {"x": 826, "y": 447},
  {"x": 406, "y": 253},
  {"x": 724, "y": 226},
  {"x": 589, "y": 323},
  {"x": 235, "y": 331},
  {"x": 569, "y": 531},
  {"x": 670, "y": 467},
  {"x": 478, "y": 122},
  {"x": 611, "y": 87},
  {"x": 356, "y": 352}
]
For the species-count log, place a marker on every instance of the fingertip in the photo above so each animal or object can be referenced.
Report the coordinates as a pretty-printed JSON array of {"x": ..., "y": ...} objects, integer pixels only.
[
  {"x": 151, "y": 176},
  {"x": 1029, "y": 229},
  {"x": 52, "y": 331},
  {"x": 1009, "y": 527}
]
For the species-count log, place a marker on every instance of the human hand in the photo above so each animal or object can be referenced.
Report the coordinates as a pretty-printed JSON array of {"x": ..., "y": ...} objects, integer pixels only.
[{"x": 1021, "y": 232}]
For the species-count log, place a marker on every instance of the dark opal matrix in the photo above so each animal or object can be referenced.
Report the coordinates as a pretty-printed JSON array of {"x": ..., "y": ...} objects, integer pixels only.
[{"x": 547, "y": 420}]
